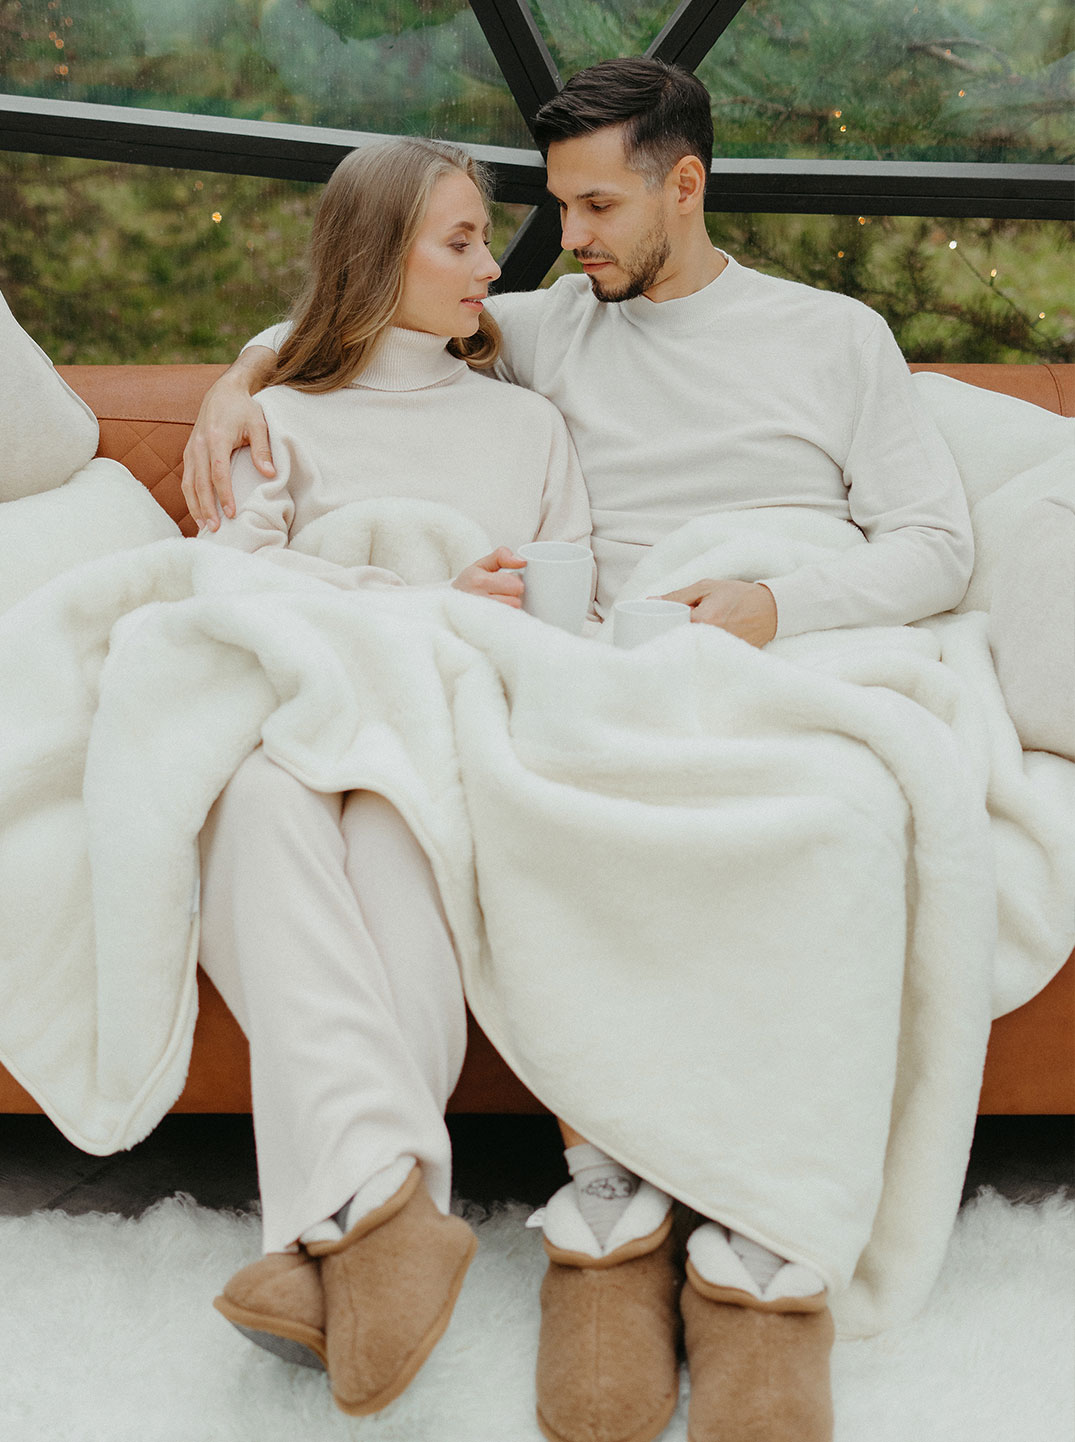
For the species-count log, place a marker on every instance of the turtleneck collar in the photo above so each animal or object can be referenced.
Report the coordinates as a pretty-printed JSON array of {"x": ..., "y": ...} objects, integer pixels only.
[
  {"x": 409, "y": 360},
  {"x": 688, "y": 312}
]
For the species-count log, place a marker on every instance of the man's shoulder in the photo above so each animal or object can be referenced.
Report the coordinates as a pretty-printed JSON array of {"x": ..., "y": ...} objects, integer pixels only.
[
  {"x": 811, "y": 303},
  {"x": 523, "y": 315}
]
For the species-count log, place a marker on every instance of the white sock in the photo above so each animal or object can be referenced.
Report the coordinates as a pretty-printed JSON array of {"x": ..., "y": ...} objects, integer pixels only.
[
  {"x": 602, "y": 1187},
  {"x": 762, "y": 1264}
]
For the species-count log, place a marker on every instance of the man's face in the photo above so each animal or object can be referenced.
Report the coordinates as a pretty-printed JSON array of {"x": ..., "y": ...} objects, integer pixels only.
[{"x": 613, "y": 222}]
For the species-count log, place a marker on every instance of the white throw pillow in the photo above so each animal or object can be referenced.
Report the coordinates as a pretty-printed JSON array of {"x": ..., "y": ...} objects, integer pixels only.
[
  {"x": 1009, "y": 453},
  {"x": 47, "y": 432},
  {"x": 101, "y": 509},
  {"x": 1032, "y": 626}
]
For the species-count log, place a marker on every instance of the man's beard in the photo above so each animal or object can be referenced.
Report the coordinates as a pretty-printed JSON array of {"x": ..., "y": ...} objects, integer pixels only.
[{"x": 643, "y": 267}]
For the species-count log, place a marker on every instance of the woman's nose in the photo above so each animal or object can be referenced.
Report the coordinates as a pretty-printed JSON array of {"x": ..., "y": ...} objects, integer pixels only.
[{"x": 488, "y": 270}]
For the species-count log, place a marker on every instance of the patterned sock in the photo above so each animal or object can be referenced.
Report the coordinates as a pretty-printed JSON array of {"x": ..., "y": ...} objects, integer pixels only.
[
  {"x": 762, "y": 1264},
  {"x": 602, "y": 1187}
]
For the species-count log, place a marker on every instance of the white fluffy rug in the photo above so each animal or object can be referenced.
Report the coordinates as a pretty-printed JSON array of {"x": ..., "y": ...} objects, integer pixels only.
[{"x": 107, "y": 1335}]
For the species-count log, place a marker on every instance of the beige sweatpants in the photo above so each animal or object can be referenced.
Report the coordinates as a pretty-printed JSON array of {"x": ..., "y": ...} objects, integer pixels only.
[{"x": 323, "y": 929}]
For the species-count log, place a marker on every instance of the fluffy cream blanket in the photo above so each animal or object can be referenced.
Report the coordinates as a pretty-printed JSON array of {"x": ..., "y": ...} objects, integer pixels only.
[{"x": 742, "y": 917}]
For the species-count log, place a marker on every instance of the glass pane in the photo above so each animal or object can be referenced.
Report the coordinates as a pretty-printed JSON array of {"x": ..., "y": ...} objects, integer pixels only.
[
  {"x": 954, "y": 80},
  {"x": 108, "y": 264},
  {"x": 581, "y": 32},
  {"x": 952, "y": 290},
  {"x": 412, "y": 67}
]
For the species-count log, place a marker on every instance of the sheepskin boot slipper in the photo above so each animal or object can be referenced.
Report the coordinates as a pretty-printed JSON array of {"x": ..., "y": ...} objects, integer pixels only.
[
  {"x": 758, "y": 1359},
  {"x": 390, "y": 1286},
  {"x": 277, "y": 1303},
  {"x": 607, "y": 1367}
]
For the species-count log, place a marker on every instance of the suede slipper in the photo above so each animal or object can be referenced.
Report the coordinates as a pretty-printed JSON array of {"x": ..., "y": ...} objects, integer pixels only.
[
  {"x": 759, "y": 1370},
  {"x": 390, "y": 1286},
  {"x": 607, "y": 1366},
  {"x": 277, "y": 1304}
]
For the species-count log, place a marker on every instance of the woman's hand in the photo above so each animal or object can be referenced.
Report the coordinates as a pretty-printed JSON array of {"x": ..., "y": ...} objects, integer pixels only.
[{"x": 496, "y": 576}]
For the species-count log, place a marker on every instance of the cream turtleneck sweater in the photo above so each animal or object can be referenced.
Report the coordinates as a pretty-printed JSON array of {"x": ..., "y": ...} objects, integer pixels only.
[{"x": 417, "y": 423}]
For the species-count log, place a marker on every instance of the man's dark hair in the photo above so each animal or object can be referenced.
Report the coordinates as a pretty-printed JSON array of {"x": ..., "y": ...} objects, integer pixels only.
[{"x": 664, "y": 111}]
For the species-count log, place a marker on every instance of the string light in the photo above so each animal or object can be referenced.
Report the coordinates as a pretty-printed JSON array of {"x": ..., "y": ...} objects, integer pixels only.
[
  {"x": 993, "y": 273},
  {"x": 837, "y": 113},
  {"x": 962, "y": 93},
  {"x": 839, "y": 255},
  {"x": 1041, "y": 315},
  {"x": 217, "y": 217},
  {"x": 952, "y": 244},
  {"x": 843, "y": 129}
]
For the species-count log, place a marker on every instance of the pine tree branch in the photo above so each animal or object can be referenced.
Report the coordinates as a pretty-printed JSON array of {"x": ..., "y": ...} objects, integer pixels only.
[{"x": 941, "y": 50}]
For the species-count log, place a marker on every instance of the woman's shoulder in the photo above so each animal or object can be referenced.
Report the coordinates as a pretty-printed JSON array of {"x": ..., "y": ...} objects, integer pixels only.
[{"x": 512, "y": 401}]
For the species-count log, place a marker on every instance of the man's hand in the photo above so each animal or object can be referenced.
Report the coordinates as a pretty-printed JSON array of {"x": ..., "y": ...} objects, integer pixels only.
[
  {"x": 228, "y": 419},
  {"x": 745, "y": 608},
  {"x": 495, "y": 576}
]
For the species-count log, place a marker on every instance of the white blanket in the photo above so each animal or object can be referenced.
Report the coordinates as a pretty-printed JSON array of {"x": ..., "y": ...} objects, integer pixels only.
[
  {"x": 733, "y": 913},
  {"x": 741, "y": 916}
]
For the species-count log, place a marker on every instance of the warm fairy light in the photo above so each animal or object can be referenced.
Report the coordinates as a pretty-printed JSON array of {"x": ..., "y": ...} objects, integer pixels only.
[
  {"x": 198, "y": 185},
  {"x": 962, "y": 93},
  {"x": 217, "y": 217},
  {"x": 58, "y": 44},
  {"x": 837, "y": 113},
  {"x": 952, "y": 244},
  {"x": 60, "y": 69},
  {"x": 993, "y": 273},
  {"x": 1041, "y": 315},
  {"x": 862, "y": 220},
  {"x": 843, "y": 129},
  {"x": 839, "y": 255}
]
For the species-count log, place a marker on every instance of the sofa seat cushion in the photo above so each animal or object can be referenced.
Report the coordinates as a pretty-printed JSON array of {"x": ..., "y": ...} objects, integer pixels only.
[{"x": 1032, "y": 626}]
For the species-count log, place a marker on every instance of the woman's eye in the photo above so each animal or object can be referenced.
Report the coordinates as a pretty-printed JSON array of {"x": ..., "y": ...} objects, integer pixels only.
[{"x": 460, "y": 244}]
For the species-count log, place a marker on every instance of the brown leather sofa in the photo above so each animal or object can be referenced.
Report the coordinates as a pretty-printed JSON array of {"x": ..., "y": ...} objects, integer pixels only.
[{"x": 146, "y": 413}]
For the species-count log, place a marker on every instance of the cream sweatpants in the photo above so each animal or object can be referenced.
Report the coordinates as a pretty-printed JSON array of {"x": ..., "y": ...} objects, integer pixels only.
[{"x": 322, "y": 927}]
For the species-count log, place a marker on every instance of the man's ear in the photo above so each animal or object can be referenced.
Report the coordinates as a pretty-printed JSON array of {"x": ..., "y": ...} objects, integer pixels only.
[{"x": 687, "y": 179}]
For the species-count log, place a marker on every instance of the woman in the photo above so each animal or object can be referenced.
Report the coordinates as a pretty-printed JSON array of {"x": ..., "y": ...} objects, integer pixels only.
[{"x": 321, "y": 921}]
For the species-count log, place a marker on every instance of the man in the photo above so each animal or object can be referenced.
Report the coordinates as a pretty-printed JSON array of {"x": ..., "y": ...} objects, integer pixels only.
[{"x": 690, "y": 385}]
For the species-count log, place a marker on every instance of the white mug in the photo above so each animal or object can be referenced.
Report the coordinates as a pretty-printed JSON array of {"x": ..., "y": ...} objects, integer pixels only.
[
  {"x": 559, "y": 582},
  {"x": 634, "y": 622}
]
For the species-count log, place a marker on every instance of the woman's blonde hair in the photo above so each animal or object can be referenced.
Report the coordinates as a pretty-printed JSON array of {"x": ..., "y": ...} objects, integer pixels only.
[{"x": 369, "y": 216}]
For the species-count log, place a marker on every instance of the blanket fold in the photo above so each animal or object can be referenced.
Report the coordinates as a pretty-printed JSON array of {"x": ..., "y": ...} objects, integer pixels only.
[{"x": 740, "y": 916}]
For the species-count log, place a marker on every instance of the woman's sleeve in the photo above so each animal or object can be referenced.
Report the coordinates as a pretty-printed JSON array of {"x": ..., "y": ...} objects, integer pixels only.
[{"x": 264, "y": 512}]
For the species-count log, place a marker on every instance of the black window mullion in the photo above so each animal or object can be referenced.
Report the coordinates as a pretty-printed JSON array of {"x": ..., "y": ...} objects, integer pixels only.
[
  {"x": 693, "y": 30},
  {"x": 521, "y": 53}
]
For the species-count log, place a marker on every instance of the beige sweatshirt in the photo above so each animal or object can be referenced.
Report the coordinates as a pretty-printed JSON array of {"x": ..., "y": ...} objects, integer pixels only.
[
  {"x": 417, "y": 423},
  {"x": 753, "y": 391}
]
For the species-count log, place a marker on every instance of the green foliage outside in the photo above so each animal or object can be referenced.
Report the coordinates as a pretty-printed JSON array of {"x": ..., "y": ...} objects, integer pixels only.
[{"x": 109, "y": 262}]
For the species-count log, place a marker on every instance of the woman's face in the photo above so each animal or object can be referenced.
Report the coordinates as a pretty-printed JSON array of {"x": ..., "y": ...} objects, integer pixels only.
[{"x": 450, "y": 269}]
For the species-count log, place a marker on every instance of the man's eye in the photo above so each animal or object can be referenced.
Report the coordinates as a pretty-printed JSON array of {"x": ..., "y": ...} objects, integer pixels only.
[{"x": 599, "y": 209}]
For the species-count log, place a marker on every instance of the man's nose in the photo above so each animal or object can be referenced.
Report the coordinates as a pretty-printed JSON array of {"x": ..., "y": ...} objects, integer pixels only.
[{"x": 575, "y": 234}]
